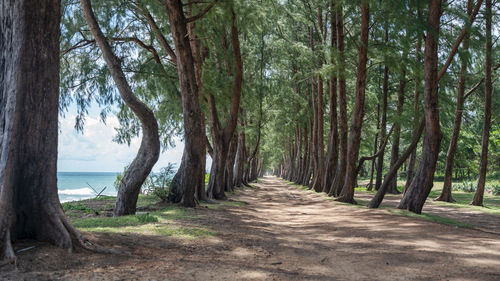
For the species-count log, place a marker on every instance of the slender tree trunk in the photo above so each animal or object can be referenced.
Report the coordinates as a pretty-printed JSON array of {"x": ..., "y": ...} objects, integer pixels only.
[
  {"x": 149, "y": 151},
  {"x": 333, "y": 138},
  {"x": 375, "y": 145},
  {"x": 415, "y": 196},
  {"x": 488, "y": 90},
  {"x": 29, "y": 95},
  {"x": 383, "y": 123},
  {"x": 319, "y": 177},
  {"x": 379, "y": 196},
  {"x": 457, "y": 122},
  {"x": 192, "y": 173},
  {"x": 337, "y": 182},
  {"x": 416, "y": 108},
  {"x": 393, "y": 186},
  {"x": 240, "y": 160},
  {"x": 229, "y": 172},
  {"x": 347, "y": 194}
]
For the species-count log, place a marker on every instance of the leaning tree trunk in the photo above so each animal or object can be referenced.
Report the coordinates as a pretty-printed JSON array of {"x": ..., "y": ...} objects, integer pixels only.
[
  {"x": 194, "y": 138},
  {"x": 347, "y": 194},
  {"x": 488, "y": 89},
  {"x": 337, "y": 182},
  {"x": 149, "y": 151},
  {"x": 29, "y": 102},
  {"x": 417, "y": 192}
]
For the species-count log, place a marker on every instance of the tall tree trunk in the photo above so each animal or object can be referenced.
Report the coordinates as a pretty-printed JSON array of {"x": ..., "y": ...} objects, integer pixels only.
[
  {"x": 149, "y": 151},
  {"x": 333, "y": 137},
  {"x": 375, "y": 145},
  {"x": 393, "y": 186},
  {"x": 421, "y": 185},
  {"x": 231, "y": 157},
  {"x": 337, "y": 182},
  {"x": 383, "y": 122},
  {"x": 457, "y": 122},
  {"x": 192, "y": 173},
  {"x": 488, "y": 90},
  {"x": 222, "y": 135},
  {"x": 240, "y": 159},
  {"x": 29, "y": 102},
  {"x": 416, "y": 114},
  {"x": 318, "y": 177},
  {"x": 347, "y": 194}
]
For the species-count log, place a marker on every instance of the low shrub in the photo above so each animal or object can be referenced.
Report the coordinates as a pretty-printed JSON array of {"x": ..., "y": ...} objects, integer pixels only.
[{"x": 466, "y": 186}]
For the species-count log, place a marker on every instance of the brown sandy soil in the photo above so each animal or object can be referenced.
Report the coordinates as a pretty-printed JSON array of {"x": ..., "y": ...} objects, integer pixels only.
[{"x": 282, "y": 234}]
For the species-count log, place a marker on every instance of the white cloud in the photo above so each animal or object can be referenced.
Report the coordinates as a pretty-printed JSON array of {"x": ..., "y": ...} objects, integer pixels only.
[{"x": 95, "y": 151}]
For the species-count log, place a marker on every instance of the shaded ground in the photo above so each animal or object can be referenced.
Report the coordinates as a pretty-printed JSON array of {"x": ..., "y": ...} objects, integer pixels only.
[
  {"x": 282, "y": 233},
  {"x": 478, "y": 219}
]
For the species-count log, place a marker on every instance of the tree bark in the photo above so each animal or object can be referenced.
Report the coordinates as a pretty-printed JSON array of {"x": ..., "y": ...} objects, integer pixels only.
[
  {"x": 417, "y": 192},
  {"x": 457, "y": 122},
  {"x": 149, "y": 151},
  {"x": 383, "y": 122},
  {"x": 222, "y": 135},
  {"x": 416, "y": 108},
  {"x": 333, "y": 138},
  {"x": 375, "y": 145},
  {"x": 337, "y": 182},
  {"x": 347, "y": 194},
  {"x": 488, "y": 90},
  {"x": 29, "y": 102},
  {"x": 192, "y": 173},
  {"x": 379, "y": 196},
  {"x": 393, "y": 186}
]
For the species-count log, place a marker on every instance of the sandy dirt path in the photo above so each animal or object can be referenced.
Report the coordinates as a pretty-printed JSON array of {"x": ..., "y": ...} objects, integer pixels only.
[{"x": 284, "y": 233}]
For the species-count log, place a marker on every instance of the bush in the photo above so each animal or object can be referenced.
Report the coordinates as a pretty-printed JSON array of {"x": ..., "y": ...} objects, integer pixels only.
[
  {"x": 494, "y": 188},
  {"x": 466, "y": 186},
  {"x": 158, "y": 184}
]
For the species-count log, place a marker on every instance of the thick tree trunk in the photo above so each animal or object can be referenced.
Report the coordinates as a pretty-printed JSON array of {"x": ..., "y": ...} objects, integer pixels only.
[
  {"x": 29, "y": 102},
  {"x": 393, "y": 186},
  {"x": 488, "y": 90},
  {"x": 337, "y": 182},
  {"x": 194, "y": 139},
  {"x": 149, "y": 151},
  {"x": 347, "y": 194},
  {"x": 417, "y": 192}
]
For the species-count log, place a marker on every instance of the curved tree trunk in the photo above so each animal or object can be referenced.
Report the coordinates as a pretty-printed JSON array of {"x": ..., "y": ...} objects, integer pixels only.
[
  {"x": 488, "y": 90},
  {"x": 417, "y": 192},
  {"x": 149, "y": 151},
  {"x": 347, "y": 194},
  {"x": 192, "y": 172},
  {"x": 29, "y": 102}
]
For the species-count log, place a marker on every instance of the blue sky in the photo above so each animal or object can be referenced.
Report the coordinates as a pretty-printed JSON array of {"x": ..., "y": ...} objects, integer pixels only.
[{"x": 95, "y": 151}]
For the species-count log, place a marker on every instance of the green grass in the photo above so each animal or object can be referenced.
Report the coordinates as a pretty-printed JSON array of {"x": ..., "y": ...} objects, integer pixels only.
[
  {"x": 96, "y": 222},
  {"x": 220, "y": 204},
  {"x": 430, "y": 217}
]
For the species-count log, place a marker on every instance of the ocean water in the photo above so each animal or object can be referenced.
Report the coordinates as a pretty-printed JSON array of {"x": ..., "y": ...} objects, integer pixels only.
[{"x": 75, "y": 185}]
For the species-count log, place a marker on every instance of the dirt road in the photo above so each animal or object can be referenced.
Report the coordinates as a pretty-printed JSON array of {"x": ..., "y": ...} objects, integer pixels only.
[{"x": 284, "y": 233}]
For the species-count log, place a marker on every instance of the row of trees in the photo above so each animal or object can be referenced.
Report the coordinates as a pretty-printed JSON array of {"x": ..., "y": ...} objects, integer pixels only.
[
  {"x": 405, "y": 59},
  {"x": 170, "y": 67}
]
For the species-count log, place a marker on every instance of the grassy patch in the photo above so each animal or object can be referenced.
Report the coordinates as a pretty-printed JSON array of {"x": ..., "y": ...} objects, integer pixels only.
[
  {"x": 220, "y": 204},
  {"x": 430, "y": 217},
  {"x": 96, "y": 222}
]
